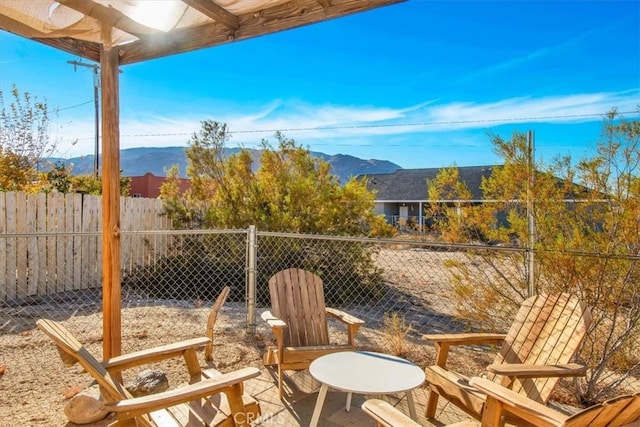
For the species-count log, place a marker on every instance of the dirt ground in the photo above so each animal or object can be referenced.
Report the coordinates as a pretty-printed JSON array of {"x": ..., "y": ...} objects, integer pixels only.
[{"x": 36, "y": 385}]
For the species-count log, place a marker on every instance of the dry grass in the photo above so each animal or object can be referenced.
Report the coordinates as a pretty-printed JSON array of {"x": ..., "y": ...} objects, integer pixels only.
[{"x": 35, "y": 385}]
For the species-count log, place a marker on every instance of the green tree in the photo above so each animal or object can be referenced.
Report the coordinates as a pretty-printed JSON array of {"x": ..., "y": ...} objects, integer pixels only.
[
  {"x": 24, "y": 140},
  {"x": 284, "y": 190},
  {"x": 288, "y": 191},
  {"x": 451, "y": 204},
  {"x": 587, "y": 242},
  {"x": 90, "y": 184},
  {"x": 87, "y": 184},
  {"x": 59, "y": 178},
  {"x": 186, "y": 212}
]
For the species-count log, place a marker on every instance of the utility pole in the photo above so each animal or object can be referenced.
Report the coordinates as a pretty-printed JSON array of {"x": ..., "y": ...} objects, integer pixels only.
[
  {"x": 96, "y": 87},
  {"x": 530, "y": 217}
]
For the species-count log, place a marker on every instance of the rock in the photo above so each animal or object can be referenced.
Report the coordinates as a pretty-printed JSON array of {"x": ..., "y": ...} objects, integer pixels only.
[
  {"x": 85, "y": 407},
  {"x": 148, "y": 382}
]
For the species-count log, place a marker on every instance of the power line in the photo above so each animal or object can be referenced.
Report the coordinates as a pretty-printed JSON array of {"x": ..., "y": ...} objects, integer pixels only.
[
  {"x": 55, "y": 110},
  {"x": 72, "y": 106},
  {"x": 452, "y": 122}
]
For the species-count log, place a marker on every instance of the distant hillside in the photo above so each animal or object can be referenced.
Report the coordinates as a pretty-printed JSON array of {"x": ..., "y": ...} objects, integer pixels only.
[{"x": 139, "y": 161}]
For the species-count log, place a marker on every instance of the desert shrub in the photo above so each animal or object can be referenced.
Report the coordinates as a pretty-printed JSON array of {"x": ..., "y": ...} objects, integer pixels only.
[
  {"x": 395, "y": 330},
  {"x": 586, "y": 241},
  {"x": 197, "y": 268},
  {"x": 281, "y": 190}
]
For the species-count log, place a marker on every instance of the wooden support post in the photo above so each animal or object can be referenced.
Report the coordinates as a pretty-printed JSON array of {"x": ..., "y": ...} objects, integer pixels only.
[{"x": 111, "y": 292}]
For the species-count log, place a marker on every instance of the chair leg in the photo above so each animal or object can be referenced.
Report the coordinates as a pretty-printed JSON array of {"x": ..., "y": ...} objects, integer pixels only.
[
  {"x": 236, "y": 405},
  {"x": 492, "y": 413},
  {"x": 280, "y": 373},
  {"x": 432, "y": 404}
]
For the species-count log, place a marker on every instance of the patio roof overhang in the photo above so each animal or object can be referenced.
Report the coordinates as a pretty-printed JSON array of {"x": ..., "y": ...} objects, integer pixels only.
[
  {"x": 119, "y": 32},
  {"x": 147, "y": 29}
]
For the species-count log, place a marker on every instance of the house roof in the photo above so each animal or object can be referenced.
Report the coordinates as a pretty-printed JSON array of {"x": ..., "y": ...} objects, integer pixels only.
[
  {"x": 142, "y": 29},
  {"x": 406, "y": 185}
]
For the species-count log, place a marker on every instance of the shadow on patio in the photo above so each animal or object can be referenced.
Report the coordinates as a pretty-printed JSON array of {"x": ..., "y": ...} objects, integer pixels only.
[{"x": 302, "y": 392}]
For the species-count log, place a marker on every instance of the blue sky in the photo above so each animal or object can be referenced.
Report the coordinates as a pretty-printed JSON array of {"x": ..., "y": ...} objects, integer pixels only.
[{"x": 420, "y": 83}]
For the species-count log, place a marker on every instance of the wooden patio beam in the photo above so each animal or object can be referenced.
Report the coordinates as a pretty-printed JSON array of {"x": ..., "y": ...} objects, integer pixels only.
[
  {"x": 111, "y": 286},
  {"x": 87, "y": 50},
  {"x": 269, "y": 20},
  {"x": 214, "y": 11}
]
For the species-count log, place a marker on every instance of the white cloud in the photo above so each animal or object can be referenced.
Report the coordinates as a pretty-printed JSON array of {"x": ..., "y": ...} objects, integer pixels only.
[
  {"x": 352, "y": 124},
  {"x": 551, "y": 109}
]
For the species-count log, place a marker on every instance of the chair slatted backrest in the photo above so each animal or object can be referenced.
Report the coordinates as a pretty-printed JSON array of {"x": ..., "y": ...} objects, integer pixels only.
[
  {"x": 631, "y": 412},
  {"x": 297, "y": 298},
  {"x": 547, "y": 330},
  {"x": 618, "y": 411},
  {"x": 211, "y": 321},
  {"x": 68, "y": 345}
]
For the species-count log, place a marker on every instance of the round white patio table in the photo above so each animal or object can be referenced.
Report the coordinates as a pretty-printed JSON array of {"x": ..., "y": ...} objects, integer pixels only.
[{"x": 364, "y": 372}]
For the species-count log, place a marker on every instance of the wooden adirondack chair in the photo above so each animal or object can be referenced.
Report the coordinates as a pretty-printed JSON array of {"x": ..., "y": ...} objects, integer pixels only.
[
  {"x": 387, "y": 415},
  {"x": 534, "y": 354},
  {"x": 211, "y": 321},
  {"x": 211, "y": 399},
  {"x": 299, "y": 323},
  {"x": 619, "y": 411}
]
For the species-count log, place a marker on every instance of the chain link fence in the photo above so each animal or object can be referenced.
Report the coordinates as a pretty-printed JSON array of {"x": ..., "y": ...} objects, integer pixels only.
[
  {"x": 372, "y": 278},
  {"x": 402, "y": 289}
]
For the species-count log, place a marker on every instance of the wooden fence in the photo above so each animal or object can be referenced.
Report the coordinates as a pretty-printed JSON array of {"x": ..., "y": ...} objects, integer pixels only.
[{"x": 51, "y": 243}]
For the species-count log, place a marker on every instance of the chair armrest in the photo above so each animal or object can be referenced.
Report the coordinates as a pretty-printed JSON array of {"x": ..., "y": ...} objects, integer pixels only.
[
  {"x": 442, "y": 342},
  {"x": 352, "y": 323},
  {"x": 154, "y": 354},
  {"x": 386, "y": 415},
  {"x": 521, "y": 406},
  {"x": 521, "y": 370},
  {"x": 273, "y": 355},
  {"x": 343, "y": 317},
  {"x": 272, "y": 320},
  {"x": 466, "y": 339},
  {"x": 137, "y": 406}
]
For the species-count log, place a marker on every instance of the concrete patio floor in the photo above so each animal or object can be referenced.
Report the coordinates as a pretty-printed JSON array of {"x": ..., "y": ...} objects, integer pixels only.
[
  {"x": 301, "y": 394},
  {"x": 302, "y": 391}
]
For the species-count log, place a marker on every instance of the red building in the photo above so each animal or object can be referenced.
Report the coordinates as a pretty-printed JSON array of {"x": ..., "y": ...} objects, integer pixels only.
[{"x": 148, "y": 185}]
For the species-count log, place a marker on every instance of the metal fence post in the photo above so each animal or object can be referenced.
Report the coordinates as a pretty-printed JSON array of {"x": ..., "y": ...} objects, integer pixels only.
[
  {"x": 531, "y": 277},
  {"x": 252, "y": 245}
]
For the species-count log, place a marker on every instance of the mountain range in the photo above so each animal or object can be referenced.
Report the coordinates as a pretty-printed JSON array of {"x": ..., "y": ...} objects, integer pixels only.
[{"x": 157, "y": 160}]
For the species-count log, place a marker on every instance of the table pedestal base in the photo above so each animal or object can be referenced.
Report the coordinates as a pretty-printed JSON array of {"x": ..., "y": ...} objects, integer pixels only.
[{"x": 322, "y": 395}]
